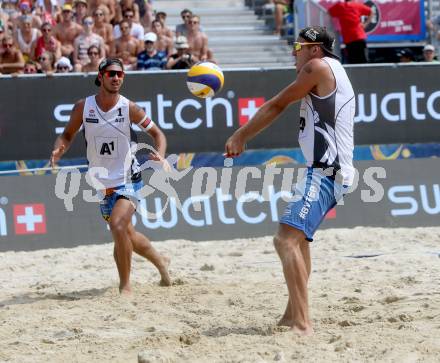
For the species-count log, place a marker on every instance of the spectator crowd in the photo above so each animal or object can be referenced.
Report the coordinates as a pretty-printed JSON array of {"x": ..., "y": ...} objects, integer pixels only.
[{"x": 56, "y": 36}]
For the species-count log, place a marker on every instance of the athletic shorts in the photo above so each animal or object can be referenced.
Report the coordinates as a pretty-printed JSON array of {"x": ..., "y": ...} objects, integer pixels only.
[
  {"x": 314, "y": 196},
  {"x": 112, "y": 195}
]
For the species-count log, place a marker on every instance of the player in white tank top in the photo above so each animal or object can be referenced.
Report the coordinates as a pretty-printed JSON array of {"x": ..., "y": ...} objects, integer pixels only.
[
  {"x": 107, "y": 118},
  {"x": 326, "y": 139}
]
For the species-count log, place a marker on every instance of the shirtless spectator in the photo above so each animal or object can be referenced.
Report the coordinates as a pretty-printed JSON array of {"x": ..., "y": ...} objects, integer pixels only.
[
  {"x": 163, "y": 42},
  {"x": 125, "y": 5},
  {"x": 150, "y": 58},
  {"x": 83, "y": 42},
  {"x": 127, "y": 47},
  {"x": 80, "y": 11},
  {"x": 110, "y": 4},
  {"x": 162, "y": 17},
  {"x": 30, "y": 67},
  {"x": 11, "y": 59},
  {"x": 25, "y": 36},
  {"x": 198, "y": 41},
  {"x": 136, "y": 29},
  {"x": 67, "y": 30},
  {"x": 46, "y": 42},
  {"x": 92, "y": 66},
  {"x": 103, "y": 28},
  {"x": 46, "y": 61}
]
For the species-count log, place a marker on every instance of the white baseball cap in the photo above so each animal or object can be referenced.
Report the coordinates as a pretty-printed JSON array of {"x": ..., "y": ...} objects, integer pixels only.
[
  {"x": 150, "y": 37},
  {"x": 428, "y": 47}
]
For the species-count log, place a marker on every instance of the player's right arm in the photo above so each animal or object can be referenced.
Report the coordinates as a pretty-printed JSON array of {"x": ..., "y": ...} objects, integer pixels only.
[{"x": 63, "y": 142}]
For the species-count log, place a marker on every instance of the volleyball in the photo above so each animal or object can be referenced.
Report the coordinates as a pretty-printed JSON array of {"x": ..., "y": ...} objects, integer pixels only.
[{"x": 205, "y": 79}]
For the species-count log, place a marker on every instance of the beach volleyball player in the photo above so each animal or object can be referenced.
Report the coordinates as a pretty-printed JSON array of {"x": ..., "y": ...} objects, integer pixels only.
[
  {"x": 326, "y": 139},
  {"x": 106, "y": 118}
]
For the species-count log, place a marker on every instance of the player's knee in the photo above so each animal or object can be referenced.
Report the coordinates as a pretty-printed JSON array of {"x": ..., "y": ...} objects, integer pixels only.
[
  {"x": 284, "y": 245},
  {"x": 118, "y": 225}
]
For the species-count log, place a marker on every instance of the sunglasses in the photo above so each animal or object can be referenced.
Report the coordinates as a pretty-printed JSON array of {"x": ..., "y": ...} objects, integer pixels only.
[
  {"x": 129, "y": 16},
  {"x": 63, "y": 68},
  {"x": 297, "y": 46},
  {"x": 93, "y": 53},
  {"x": 46, "y": 30},
  {"x": 111, "y": 74},
  {"x": 193, "y": 22},
  {"x": 42, "y": 59},
  {"x": 186, "y": 16},
  {"x": 88, "y": 22},
  {"x": 7, "y": 45},
  {"x": 99, "y": 14}
]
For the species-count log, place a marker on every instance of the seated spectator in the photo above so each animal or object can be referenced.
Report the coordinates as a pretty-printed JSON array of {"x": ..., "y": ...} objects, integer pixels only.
[
  {"x": 26, "y": 12},
  {"x": 125, "y": 5},
  {"x": 46, "y": 61},
  {"x": 80, "y": 11},
  {"x": 163, "y": 43},
  {"x": 162, "y": 17},
  {"x": 92, "y": 66},
  {"x": 110, "y": 4},
  {"x": 406, "y": 55},
  {"x": 25, "y": 36},
  {"x": 429, "y": 53},
  {"x": 48, "y": 11},
  {"x": 10, "y": 7},
  {"x": 198, "y": 41},
  {"x": 127, "y": 47},
  {"x": 63, "y": 65},
  {"x": 281, "y": 7},
  {"x": 11, "y": 59},
  {"x": 83, "y": 42},
  {"x": 183, "y": 58},
  {"x": 66, "y": 31},
  {"x": 30, "y": 67},
  {"x": 145, "y": 12},
  {"x": 182, "y": 29},
  {"x": 102, "y": 28},
  {"x": 136, "y": 29},
  {"x": 47, "y": 42},
  {"x": 150, "y": 58}
]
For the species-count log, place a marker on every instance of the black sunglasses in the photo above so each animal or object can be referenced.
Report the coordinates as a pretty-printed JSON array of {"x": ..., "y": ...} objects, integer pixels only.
[{"x": 111, "y": 74}]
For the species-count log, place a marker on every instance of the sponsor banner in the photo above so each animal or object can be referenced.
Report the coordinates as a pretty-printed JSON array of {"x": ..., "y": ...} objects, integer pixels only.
[
  {"x": 393, "y": 20},
  {"x": 403, "y": 102},
  {"x": 212, "y": 204}
]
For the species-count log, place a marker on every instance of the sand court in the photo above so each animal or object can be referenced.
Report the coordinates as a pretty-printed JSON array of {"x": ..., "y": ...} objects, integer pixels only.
[{"x": 374, "y": 296}]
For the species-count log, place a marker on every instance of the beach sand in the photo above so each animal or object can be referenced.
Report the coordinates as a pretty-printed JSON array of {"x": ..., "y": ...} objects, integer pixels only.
[{"x": 62, "y": 305}]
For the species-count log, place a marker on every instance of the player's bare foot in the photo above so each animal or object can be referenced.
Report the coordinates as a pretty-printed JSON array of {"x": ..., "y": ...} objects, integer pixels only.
[
  {"x": 125, "y": 291},
  {"x": 305, "y": 332},
  {"x": 165, "y": 279},
  {"x": 284, "y": 321}
]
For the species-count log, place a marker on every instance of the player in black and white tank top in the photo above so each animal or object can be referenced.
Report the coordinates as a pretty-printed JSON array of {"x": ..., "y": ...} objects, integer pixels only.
[
  {"x": 107, "y": 118},
  {"x": 326, "y": 140}
]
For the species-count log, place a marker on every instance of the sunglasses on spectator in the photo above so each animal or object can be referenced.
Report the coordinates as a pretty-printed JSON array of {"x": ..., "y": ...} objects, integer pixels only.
[
  {"x": 63, "y": 68},
  {"x": 129, "y": 16},
  {"x": 297, "y": 46},
  {"x": 93, "y": 53},
  {"x": 88, "y": 22},
  {"x": 99, "y": 14},
  {"x": 111, "y": 74},
  {"x": 186, "y": 16},
  {"x": 8, "y": 45},
  {"x": 42, "y": 59},
  {"x": 125, "y": 28},
  {"x": 193, "y": 22},
  {"x": 46, "y": 30}
]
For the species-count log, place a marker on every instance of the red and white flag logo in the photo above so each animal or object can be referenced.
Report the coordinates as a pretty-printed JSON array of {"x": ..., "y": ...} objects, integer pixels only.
[
  {"x": 247, "y": 108},
  {"x": 30, "y": 219}
]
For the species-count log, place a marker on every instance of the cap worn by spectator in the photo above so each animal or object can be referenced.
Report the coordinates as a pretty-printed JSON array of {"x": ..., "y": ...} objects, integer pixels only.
[
  {"x": 67, "y": 7},
  {"x": 406, "y": 53},
  {"x": 25, "y": 4},
  {"x": 64, "y": 62},
  {"x": 181, "y": 42},
  {"x": 150, "y": 37},
  {"x": 320, "y": 35},
  {"x": 428, "y": 48},
  {"x": 76, "y": 2}
]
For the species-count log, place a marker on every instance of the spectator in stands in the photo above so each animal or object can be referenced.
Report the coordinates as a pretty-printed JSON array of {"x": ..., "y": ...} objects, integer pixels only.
[
  {"x": 145, "y": 12},
  {"x": 349, "y": 14},
  {"x": 48, "y": 10},
  {"x": 80, "y": 8},
  {"x": 429, "y": 53},
  {"x": 162, "y": 17},
  {"x": 102, "y": 28},
  {"x": 26, "y": 12},
  {"x": 25, "y": 36},
  {"x": 127, "y": 47},
  {"x": 182, "y": 29},
  {"x": 197, "y": 40},
  {"x": 4, "y": 22},
  {"x": 66, "y": 31},
  {"x": 46, "y": 61},
  {"x": 150, "y": 58},
  {"x": 10, "y": 7},
  {"x": 110, "y": 4},
  {"x": 281, "y": 7},
  {"x": 183, "y": 58},
  {"x": 163, "y": 43},
  {"x": 63, "y": 65},
  {"x": 405, "y": 56},
  {"x": 47, "y": 42},
  {"x": 83, "y": 42},
  {"x": 30, "y": 67},
  {"x": 92, "y": 66},
  {"x": 11, "y": 59},
  {"x": 136, "y": 29},
  {"x": 125, "y": 5}
]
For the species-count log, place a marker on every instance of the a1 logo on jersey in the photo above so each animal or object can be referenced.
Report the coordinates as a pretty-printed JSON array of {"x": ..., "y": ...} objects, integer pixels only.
[
  {"x": 247, "y": 108},
  {"x": 29, "y": 219}
]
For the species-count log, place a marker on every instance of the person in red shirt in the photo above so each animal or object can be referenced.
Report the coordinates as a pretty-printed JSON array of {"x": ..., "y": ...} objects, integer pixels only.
[{"x": 353, "y": 30}]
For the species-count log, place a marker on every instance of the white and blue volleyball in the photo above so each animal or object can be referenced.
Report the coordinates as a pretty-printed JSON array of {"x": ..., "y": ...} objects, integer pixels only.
[{"x": 205, "y": 79}]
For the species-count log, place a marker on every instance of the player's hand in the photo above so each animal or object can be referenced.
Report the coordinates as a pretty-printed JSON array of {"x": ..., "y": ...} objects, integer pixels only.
[
  {"x": 235, "y": 145},
  {"x": 56, "y": 155},
  {"x": 159, "y": 158}
]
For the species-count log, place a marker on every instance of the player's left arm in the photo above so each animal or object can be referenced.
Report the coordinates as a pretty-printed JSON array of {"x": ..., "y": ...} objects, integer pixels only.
[
  {"x": 311, "y": 74},
  {"x": 140, "y": 118}
]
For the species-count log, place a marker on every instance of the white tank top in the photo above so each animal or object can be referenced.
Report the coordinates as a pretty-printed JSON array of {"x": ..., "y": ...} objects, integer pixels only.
[
  {"x": 26, "y": 47},
  {"x": 108, "y": 141},
  {"x": 326, "y": 126}
]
